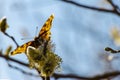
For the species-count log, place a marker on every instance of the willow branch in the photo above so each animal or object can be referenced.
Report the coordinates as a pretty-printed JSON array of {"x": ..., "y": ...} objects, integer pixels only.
[
  {"x": 11, "y": 37},
  {"x": 56, "y": 76},
  {"x": 13, "y": 60},
  {"x": 24, "y": 72},
  {"x": 97, "y": 77},
  {"x": 114, "y": 11},
  {"x": 115, "y": 7}
]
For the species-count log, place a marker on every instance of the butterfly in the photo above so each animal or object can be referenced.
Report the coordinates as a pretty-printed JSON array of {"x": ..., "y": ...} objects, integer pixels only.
[{"x": 44, "y": 35}]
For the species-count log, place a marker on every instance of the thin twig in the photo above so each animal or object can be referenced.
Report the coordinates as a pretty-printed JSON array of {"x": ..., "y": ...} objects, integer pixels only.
[
  {"x": 19, "y": 62},
  {"x": 56, "y": 76},
  {"x": 115, "y": 7},
  {"x": 11, "y": 37},
  {"x": 112, "y": 50},
  {"x": 92, "y": 8},
  {"x": 105, "y": 75},
  {"x": 97, "y": 77},
  {"x": 24, "y": 72},
  {"x": 13, "y": 60}
]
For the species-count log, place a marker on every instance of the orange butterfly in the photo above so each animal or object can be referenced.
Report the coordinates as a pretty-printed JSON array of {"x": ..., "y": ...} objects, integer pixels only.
[{"x": 44, "y": 35}]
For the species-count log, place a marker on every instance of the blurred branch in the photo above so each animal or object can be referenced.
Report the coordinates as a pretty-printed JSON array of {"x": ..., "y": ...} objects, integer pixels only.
[
  {"x": 56, "y": 76},
  {"x": 115, "y": 7},
  {"x": 114, "y": 10},
  {"x": 11, "y": 37},
  {"x": 105, "y": 75},
  {"x": 13, "y": 60},
  {"x": 24, "y": 72},
  {"x": 19, "y": 62},
  {"x": 112, "y": 50},
  {"x": 97, "y": 77}
]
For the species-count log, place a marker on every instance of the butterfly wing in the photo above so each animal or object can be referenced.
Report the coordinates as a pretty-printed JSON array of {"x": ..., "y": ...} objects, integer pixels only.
[
  {"x": 22, "y": 49},
  {"x": 45, "y": 31},
  {"x": 44, "y": 35}
]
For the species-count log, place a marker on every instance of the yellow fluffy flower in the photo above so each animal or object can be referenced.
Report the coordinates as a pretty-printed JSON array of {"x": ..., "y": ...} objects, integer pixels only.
[{"x": 45, "y": 63}]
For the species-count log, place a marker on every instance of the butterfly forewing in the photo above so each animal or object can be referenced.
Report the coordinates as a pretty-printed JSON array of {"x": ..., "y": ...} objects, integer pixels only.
[
  {"x": 44, "y": 35},
  {"x": 45, "y": 31},
  {"x": 21, "y": 49}
]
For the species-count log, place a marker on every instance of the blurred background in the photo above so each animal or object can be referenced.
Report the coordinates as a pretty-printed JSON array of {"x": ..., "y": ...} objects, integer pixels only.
[{"x": 80, "y": 35}]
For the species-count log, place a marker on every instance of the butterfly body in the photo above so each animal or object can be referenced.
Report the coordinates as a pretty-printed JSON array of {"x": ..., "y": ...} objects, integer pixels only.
[{"x": 44, "y": 35}]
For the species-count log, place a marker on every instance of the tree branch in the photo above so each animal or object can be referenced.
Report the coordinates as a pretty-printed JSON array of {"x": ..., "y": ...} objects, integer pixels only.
[
  {"x": 97, "y": 77},
  {"x": 94, "y": 8},
  {"x": 24, "y": 72},
  {"x": 13, "y": 60},
  {"x": 11, "y": 37},
  {"x": 115, "y": 7},
  {"x": 56, "y": 76}
]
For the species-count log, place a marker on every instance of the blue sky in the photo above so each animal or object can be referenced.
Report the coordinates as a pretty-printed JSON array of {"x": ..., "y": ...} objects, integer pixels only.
[{"x": 80, "y": 34}]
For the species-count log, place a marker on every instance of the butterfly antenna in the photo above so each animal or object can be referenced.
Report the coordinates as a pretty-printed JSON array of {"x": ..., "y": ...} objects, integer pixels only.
[
  {"x": 26, "y": 38},
  {"x": 31, "y": 37},
  {"x": 36, "y": 31}
]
